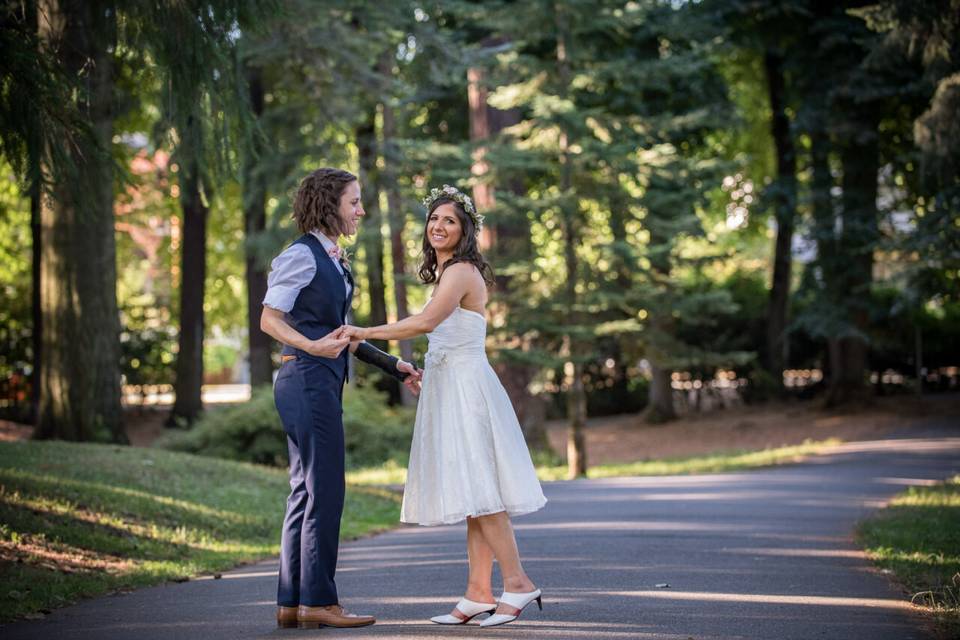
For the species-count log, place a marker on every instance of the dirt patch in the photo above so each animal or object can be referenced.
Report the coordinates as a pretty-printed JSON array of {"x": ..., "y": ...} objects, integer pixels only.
[
  {"x": 13, "y": 431},
  {"x": 627, "y": 438},
  {"x": 143, "y": 426},
  {"x": 620, "y": 439}
]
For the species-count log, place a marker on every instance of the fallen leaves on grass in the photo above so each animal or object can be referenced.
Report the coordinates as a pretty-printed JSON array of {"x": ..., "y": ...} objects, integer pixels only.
[{"x": 56, "y": 556}]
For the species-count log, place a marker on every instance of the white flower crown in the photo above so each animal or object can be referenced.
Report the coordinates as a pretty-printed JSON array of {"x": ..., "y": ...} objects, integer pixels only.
[{"x": 457, "y": 196}]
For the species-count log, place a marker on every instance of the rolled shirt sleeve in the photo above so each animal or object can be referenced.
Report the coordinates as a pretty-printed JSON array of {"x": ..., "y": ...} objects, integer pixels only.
[{"x": 290, "y": 272}]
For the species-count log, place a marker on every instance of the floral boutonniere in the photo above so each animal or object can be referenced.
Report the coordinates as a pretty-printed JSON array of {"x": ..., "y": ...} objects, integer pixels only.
[{"x": 340, "y": 253}]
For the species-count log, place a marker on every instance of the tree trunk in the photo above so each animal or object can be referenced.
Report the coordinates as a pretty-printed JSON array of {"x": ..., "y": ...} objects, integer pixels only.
[
  {"x": 255, "y": 221},
  {"x": 395, "y": 216},
  {"x": 858, "y": 237},
  {"x": 193, "y": 274},
  {"x": 36, "y": 244},
  {"x": 848, "y": 359},
  {"x": 918, "y": 355},
  {"x": 785, "y": 193},
  {"x": 372, "y": 238},
  {"x": 503, "y": 242},
  {"x": 821, "y": 203},
  {"x": 660, "y": 396},
  {"x": 478, "y": 111},
  {"x": 577, "y": 415},
  {"x": 625, "y": 265},
  {"x": 824, "y": 218},
  {"x": 79, "y": 324},
  {"x": 577, "y": 398},
  {"x": 36, "y": 306},
  {"x": 661, "y": 324}
]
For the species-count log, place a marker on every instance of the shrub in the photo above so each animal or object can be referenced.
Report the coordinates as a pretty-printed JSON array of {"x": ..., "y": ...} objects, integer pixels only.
[
  {"x": 374, "y": 431},
  {"x": 762, "y": 386}
]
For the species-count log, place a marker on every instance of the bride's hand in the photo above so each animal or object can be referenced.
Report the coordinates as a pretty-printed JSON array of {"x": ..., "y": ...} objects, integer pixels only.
[
  {"x": 412, "y": 383},
  {"x": 356, "y": 334}
]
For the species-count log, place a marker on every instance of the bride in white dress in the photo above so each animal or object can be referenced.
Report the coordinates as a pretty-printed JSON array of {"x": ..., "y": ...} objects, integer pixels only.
[{"x": 468, "y": 459}]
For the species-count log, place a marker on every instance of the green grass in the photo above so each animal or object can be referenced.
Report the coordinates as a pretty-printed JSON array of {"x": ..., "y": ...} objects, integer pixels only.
[
  {"x": 78, "y": 520},
  {"x": 713, "y": 463},
  {"x": 917, "y": 537}
]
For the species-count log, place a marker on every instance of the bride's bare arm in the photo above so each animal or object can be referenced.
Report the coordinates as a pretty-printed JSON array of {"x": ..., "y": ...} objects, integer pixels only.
[{"x": 456, "y": 282}]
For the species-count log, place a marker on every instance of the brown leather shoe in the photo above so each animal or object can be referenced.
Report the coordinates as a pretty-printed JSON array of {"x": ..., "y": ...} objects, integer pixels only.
[
  {"x": 332, "y": 615},
  {"x": 287, "y": 617}
]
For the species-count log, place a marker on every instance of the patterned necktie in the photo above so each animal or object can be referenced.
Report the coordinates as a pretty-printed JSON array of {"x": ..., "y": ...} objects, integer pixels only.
[
  {"x": 337, "y": 253},
  {"x": 346, "y": 270}
]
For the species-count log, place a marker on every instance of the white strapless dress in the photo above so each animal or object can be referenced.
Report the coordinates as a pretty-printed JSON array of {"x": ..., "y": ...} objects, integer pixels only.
[{"x": 468, "y": 456}]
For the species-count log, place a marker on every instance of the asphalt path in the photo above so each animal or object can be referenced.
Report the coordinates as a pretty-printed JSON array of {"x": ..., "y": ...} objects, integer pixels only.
[{"x": 766, "y": 554}]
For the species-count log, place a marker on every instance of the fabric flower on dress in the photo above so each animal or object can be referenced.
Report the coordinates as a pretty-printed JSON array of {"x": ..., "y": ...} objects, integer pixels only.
[{"x": 435, "y": 358}]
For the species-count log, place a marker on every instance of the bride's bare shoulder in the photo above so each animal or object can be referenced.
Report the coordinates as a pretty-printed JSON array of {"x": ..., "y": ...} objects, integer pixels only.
[{"x": 463, "y": 270}]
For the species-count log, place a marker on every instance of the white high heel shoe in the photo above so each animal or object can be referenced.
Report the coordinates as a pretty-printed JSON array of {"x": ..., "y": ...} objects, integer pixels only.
[
  {"x": 517, "y": 601},
  {"x": 468, "y": 608}
]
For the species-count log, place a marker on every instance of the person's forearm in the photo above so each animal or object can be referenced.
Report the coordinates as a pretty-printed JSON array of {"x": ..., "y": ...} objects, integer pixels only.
[
  {"x": 366, "y": 352},
  {"x": 409, "y": 327},
  {"x": 278, "y": 329}
]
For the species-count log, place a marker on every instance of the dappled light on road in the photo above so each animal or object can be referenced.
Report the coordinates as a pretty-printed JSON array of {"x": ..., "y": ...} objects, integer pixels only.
[
  {"x": 765, "y": 598},
  {"x": 759, "y": 555}
]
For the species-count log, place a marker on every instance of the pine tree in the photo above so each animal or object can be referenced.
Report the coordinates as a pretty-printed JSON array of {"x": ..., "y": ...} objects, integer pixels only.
[
  {"x": 849, "y": 87},
  {"x": 254, "y": 181},
  {"x": 194, "y": 45},
  {"x": 774, "y": 30},
  {"x": 35, "y": 107},
  {"x": 80, "y": 349}
]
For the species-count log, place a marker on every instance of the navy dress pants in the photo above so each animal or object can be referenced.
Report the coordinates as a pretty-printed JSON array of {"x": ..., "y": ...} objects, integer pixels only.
[{"x": 308, "y": 396}]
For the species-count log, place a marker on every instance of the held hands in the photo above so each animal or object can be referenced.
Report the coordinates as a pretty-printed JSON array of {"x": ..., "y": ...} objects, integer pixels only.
[
  {"x": 414, "y": 376},
  {"x": 409, "y": 373},
  {"x": 330, "y": 345},
  {"x": 356, "y": 334}
]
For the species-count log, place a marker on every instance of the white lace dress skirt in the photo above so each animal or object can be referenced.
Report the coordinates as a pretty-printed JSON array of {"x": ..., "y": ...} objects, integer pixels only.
[{"x": 468, "y": 456}]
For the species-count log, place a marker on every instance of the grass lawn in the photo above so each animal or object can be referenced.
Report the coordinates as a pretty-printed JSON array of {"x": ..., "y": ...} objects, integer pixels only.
[
  {"x": 917, "y": 537},
  {"x": 78, "y": 520},
  {"x": 713, "y": 463}
]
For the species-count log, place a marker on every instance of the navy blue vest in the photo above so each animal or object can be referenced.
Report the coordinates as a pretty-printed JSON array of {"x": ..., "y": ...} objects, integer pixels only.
[{"x": 321, "y": 306}]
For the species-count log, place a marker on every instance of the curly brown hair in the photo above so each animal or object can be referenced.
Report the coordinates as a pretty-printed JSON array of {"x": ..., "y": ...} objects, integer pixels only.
[
  {"x": 465, "y": 251},
  {"x": 317, "y": 205}
]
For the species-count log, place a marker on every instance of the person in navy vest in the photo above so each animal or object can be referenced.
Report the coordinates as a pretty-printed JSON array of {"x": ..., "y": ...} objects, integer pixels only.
[{"x": 309, "y": 291}]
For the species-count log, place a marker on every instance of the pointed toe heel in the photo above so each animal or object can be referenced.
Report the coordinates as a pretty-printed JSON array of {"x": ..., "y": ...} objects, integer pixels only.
[
  {"x": 468, "y": 609},
  {"x": 518, "y": 601}
]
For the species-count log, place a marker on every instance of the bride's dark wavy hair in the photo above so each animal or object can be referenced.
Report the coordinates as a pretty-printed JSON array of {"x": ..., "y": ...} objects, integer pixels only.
[{"x": 465, "y": 251}]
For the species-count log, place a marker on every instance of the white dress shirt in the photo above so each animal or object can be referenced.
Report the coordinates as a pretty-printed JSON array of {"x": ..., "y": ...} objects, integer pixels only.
[{"x": 293, "y": 270}]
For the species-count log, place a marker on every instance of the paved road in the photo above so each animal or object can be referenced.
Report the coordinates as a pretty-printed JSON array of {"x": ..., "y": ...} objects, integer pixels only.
[{"x": 762, "y": 555}]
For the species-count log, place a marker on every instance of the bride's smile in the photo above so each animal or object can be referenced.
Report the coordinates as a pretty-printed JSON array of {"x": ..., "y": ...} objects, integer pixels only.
[{"x": 443, "y": 229}]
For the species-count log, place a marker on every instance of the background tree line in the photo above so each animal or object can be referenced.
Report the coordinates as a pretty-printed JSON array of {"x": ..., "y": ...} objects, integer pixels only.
[{"x": 678, "y": 194}]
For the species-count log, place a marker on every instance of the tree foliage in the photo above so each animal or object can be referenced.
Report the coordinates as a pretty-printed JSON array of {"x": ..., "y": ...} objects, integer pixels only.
[{"x": 642, "y": 159}]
